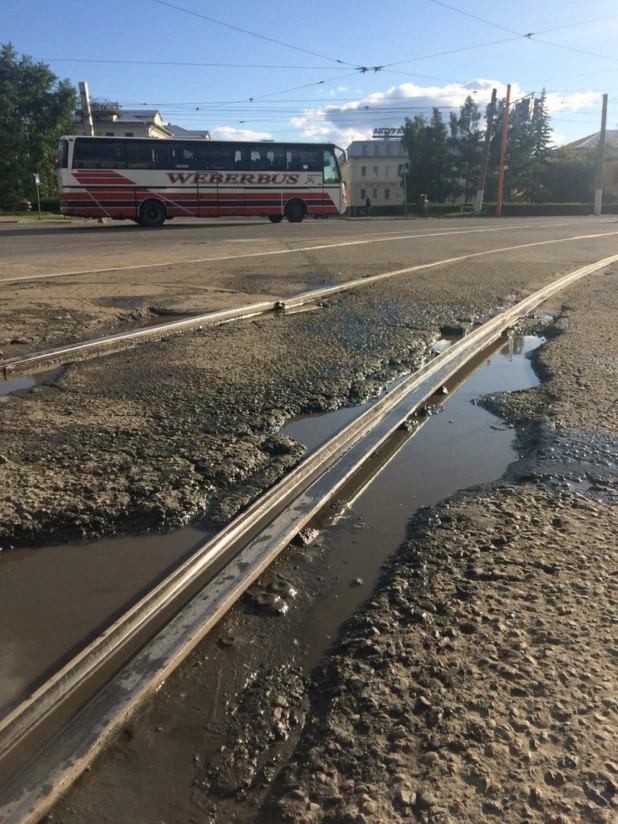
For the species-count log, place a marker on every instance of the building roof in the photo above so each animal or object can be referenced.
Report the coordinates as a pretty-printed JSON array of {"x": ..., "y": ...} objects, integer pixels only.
[
  {"x": 355, "y": 149},
  {"x": 136, "y": 115},
  {"x": 179, "y": 131},
  {"x": 591, "y": 141}
]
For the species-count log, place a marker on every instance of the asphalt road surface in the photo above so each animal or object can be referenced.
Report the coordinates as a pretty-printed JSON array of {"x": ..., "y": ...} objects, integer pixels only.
[
  {"x": 499, "y": 613},
  {"x": 61, "y": 282}
]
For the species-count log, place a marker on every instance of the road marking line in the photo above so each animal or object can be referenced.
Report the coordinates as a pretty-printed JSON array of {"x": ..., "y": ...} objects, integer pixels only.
[
  {"x": 273, "y": 252},
  {"x": 67, "y": 354}
]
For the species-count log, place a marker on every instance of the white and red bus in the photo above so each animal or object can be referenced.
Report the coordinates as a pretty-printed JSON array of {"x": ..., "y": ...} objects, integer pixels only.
[{"x": 151, "y": 180}]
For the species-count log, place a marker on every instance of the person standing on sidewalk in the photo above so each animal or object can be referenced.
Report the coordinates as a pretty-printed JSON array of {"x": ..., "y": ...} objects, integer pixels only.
[
  {"x": 368, "y": 206},
  {"x": 423, "y": 202}
]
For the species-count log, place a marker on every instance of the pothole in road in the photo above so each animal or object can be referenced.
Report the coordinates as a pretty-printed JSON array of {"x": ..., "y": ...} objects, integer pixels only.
[{"x": 461, "y": 445}]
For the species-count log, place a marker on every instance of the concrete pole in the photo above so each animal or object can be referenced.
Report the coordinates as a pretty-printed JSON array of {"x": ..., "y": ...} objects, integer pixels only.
[
  {"x": 598, "y": 183},
  {"x": 505, "y": 131},
  {"x": 87, "y": 123},
  {"x": 480, "y": 189}
]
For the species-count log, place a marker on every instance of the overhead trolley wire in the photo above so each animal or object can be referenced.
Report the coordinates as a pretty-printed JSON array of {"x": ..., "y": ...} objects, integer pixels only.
[{"x": 251, "y": 33}]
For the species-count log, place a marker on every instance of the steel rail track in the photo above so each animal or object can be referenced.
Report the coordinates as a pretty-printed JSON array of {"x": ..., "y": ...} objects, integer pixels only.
[
  {"x": 38, "y": 361},
  {"x": 49, "y": 739}
]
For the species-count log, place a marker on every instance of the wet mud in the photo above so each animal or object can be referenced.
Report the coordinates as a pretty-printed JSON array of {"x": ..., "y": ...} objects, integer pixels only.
[
  {"x": 478, "y": 682},
  {"x": 186, "y": 429}
]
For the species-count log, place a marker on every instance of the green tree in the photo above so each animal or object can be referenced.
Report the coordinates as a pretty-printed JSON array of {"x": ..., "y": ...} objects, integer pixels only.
[
  {"x": 35, "y": 109},
  {"x": 529, "y": 141},
  {"x": 431, "y": 169},
  {"x": 567, "y": 175},
  {"x": 541, "y": 127},
  {"x": 466, "y": 138}
]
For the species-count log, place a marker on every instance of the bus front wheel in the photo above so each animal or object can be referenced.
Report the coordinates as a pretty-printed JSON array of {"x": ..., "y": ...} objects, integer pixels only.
[
  {"x": 275, "y": 218},
  {"x": 152, "y": 213},
  {"x": 295, "y": 210}
]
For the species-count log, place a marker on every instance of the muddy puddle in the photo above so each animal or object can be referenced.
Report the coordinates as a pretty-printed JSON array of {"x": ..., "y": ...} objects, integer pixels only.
[
  {"x": 28, "y": 381},
  {"x": 60, "y": 597},
  {"x": 460, "y": 445}
]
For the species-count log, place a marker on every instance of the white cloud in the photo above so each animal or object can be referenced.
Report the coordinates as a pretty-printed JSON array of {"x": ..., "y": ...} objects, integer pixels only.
[
  {"x": 333, "y": 92},
  {"x": 231, "y": 133},
  {"x": 357, "y": 119}
]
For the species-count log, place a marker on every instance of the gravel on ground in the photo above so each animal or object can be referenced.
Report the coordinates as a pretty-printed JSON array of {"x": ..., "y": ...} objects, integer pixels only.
[{"x": 479, "y": 682}]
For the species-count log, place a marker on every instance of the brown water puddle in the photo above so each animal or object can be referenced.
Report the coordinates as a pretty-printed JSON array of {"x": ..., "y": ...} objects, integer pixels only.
[
  {"x": 460, "y": 446},
  {"x": 60, "y": 597}
]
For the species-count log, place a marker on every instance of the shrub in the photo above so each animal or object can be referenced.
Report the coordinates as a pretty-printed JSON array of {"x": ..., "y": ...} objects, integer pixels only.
[
  {"x": 48, "y": 204},
  {"x": 538, "y": 209}
]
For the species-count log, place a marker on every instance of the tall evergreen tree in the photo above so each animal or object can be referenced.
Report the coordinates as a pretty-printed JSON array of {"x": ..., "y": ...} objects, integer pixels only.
[
  {"x": 35, "y": 109},
  {"x": 466, "y": 140},
  {"x": 541, "y": 127},
  {"x": 431, "y": 168},
  {"x": 529, "y": 139}
]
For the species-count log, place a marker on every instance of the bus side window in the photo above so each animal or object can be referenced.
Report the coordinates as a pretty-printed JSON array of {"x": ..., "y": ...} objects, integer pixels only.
[
  {"x": 90, "y": 153},
  {"x": 311, "y": 160},
  {"x": 147, "y": 154},
  {"x": 257, "y": 159},
  {"x": 276, "y": 159},
  {"x": 190, "y": 155},
  {"x": 304, "y": 159},
  {"x": 227, "y": 158}
]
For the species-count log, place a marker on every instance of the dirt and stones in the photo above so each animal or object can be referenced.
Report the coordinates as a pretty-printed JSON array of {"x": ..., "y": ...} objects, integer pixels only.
[
  {"x": 120, "y": 444},
  {"x": 479, "y": 683}
]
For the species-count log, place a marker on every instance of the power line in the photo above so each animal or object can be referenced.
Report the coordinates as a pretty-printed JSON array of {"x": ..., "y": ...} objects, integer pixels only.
[
  {"x": 533, "y": 35},
  {"x": 252, "y": 33},
  {"x": 184, "y": 63},
  {"x": 575, "y": 49},
  {"x": 449, "y": 51},
  {"x": 475, "y": 17}
]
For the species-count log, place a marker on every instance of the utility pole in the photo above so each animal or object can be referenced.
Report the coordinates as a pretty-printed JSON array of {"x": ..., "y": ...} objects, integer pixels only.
[
  {"x": 480, "y": 189},
  {"x": 505, "y": 131},
  {"x": 598, "y": 183},
  {"x": 87, "y": 124}
]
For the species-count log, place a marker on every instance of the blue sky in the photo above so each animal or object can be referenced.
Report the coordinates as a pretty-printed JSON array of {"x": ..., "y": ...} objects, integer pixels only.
[{"x": 335, "y": 100}]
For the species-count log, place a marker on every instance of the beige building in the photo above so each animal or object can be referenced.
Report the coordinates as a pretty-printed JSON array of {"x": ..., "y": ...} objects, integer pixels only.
[
  {"x": 374, "y": 170},
  {"x": 110, "y": 120}
]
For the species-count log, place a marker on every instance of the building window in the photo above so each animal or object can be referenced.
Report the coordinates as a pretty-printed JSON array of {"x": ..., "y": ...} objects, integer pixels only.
[
  {"x": 387, "y": 194},
  {"x": 364, "y": 148},
  {"x": 376, "y": 148},
  {"x": 109, "y": 134},
  {"x": 387, "y": 171},
  {"x": 363, "y": 194},
  {"x": 616, "y": 176},
  {"x": 376, "y": 171},
  {"x": 388, "y": 148},
  {"x": 129, "y": 134},
  {"x": 363, "y": 171},
  {"x": 375, "y": 194}
]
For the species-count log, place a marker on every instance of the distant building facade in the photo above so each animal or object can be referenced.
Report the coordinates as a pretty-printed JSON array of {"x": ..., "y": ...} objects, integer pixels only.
[
  {"x": 111, "y": 120},
  {"x": 374, "y": 170}
]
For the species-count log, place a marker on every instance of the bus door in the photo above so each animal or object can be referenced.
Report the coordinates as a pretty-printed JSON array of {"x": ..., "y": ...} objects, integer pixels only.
[
  {"x": 228, "y": 164},
  {"x": 265, "y": 194},
  {"x": 331, "y": 183},
  {"x": 186, "y": 159},
  {"x": 308, "y": 160}
]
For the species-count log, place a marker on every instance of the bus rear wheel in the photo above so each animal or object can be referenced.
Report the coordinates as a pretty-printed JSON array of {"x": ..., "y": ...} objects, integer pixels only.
[
  {"x": 152, "y": 213},
  {"x": 275, "y": 218},
  {"x": 295, "y": 210}
]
